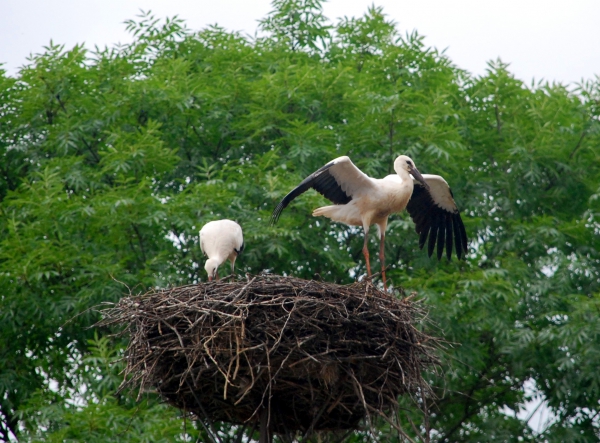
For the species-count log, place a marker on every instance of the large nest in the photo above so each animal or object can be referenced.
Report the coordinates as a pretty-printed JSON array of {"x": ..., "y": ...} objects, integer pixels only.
[{"x": 316, "y": 356}]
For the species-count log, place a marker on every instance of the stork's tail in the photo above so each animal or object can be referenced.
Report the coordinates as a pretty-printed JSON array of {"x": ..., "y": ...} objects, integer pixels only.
[
  {"x": 326, "y": 211},
  {"x": 340, "y": 213}
]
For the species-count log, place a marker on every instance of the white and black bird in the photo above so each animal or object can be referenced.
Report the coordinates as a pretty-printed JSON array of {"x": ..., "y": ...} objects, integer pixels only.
[
  {"x": 360, "y": 200},
  {"x": 220, "y": 240}
]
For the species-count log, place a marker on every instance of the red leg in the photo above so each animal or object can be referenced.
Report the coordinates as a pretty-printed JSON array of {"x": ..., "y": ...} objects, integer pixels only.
[
  {"x": 382, "y": 259},
  {"x": 366, "y": 254}
]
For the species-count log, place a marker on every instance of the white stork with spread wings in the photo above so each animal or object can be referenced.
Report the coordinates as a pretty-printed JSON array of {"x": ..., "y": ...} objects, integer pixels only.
[
  {"x": 360, "y": 200},
  {"x": 220, "y": 240}
]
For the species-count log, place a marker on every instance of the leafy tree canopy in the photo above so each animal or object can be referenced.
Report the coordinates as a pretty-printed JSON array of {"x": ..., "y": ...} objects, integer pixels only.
[{"x": 112, "y": 160}]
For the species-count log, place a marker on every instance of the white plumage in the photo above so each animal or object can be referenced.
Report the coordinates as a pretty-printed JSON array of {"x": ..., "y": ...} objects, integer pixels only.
[
  {"x": 220, "y": 240},
  {"x": 360, "y": 200}
]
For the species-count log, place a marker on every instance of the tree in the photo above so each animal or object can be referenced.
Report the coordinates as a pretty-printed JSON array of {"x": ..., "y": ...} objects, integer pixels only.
[{"x": 112, "y": 160}]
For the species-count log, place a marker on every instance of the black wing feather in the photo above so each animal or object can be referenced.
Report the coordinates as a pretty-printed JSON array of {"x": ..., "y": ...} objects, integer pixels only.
[
  {"x": 423, "y": 235},
  {"x": 448, "y": 236},
  {"x": 432, "y": 236},
  {"x": 463, "y": 233},
  {"x": 441, "y": 226},
  {"x": 321, "y": 181},
  {"x": 441, "y": 240},
  {"x": 457, "y": 236}
]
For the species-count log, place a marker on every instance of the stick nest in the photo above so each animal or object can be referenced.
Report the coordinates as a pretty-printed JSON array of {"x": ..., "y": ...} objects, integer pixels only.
[{"x": 316, "y": 356}]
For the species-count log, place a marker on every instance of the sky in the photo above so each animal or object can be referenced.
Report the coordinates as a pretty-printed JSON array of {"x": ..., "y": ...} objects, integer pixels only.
[{"x": 553, "y": 40}]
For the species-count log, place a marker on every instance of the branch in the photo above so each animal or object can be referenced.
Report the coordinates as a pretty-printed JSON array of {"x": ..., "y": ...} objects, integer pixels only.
[
  {"x": 60, "y": 102},
  {"x": 198, "y": 135},
  {"x": 87, "y": 145},
  {"x": 9, "y": 425},
  {"x": 240, "y": 434},
  {"x": 212, "y": 433},
  {"x": 578, "y": 145},
  {"x": 185, "y": 139},
  {"x": 139, "y": 237},
  {"x": 498, "y": 121},
  {"x": 216, "y": 154},
  {"x": 469, "y": 412}
]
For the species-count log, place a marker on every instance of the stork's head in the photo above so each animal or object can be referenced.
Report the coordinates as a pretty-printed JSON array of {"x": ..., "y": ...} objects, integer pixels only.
[
  {"x": 405, "y": 163},
  {"x": 211, "y": 267}
]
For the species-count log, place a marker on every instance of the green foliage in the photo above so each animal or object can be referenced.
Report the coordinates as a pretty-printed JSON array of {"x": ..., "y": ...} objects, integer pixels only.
[
  {"x": 111, "y": 161},
  {"x": 298, "y": 24}
]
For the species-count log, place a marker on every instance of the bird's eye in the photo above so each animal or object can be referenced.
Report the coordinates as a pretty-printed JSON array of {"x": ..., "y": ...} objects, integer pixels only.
[{"x": 408, "y": 163}]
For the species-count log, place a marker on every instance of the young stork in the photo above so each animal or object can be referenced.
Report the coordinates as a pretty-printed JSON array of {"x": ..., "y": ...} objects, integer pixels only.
[
  {"x": 220, "y": 240},
  {"x": 360, "y": 200}
]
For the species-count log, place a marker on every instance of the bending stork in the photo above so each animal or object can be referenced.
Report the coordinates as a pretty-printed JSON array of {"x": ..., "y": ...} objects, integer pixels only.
[
  {"x": 360, "y": 200},
  {"x": 220, "y": 240}
]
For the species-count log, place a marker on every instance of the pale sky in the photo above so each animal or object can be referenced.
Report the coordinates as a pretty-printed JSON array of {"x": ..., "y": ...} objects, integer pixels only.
[{"x": 554, "y": 40}]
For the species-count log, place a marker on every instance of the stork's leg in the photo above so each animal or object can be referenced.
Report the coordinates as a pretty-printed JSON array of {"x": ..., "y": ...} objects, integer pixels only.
[
  {"x": 217, "y": 274},
  {"x": 233, "y": 266},
  {"x": 366, "y": 253},
  {"x": 382, "y": 259}
]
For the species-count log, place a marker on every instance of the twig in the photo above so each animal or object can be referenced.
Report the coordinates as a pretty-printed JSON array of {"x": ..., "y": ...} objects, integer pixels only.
[{"x": 212, "y": 433}]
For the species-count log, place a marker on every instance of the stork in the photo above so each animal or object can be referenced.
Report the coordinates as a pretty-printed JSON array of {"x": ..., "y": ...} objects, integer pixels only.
[
  {"x": 220, "y": 240},
  {"x": 360, "y": 200}
]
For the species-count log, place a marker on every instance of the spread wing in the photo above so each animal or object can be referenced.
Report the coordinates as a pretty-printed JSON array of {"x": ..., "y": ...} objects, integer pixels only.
[
  {"x": 435, "y": 215},
  {"x": 338, "y": 181}
]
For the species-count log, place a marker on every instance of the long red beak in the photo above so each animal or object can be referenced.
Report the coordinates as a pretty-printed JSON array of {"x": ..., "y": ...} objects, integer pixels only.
[{"x": 210, "y": 278}]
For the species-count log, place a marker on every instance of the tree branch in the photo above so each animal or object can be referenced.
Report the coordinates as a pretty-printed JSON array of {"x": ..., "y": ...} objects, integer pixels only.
[
  {"x": 578, "y": 145},
  {"x": 89, "y": 148},
  {"x": 141, "y": 243},
  {"x": 468, "y": 411},
  {"x": 60, "y": 102},
  {"x": 498, "y": 121}
]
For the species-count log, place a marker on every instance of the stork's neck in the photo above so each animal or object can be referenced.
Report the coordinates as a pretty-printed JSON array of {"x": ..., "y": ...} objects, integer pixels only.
[
  {"x": 404, "y": 175},
  {"x": 219, "y": 258}
]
